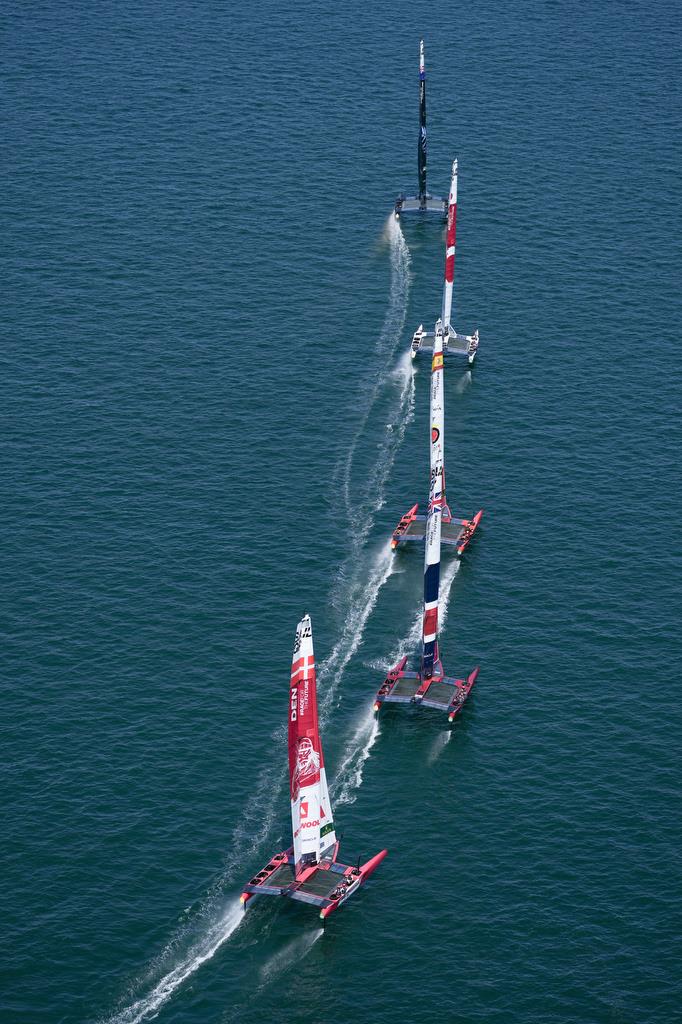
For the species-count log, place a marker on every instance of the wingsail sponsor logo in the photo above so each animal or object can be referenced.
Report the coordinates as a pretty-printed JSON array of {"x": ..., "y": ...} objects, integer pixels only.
[
  {"x": 307, "y": 763},
  {"x": 304, "y": 697},
  {"x": 436, "y": 472},
  {"x": 306, "y": 824}
]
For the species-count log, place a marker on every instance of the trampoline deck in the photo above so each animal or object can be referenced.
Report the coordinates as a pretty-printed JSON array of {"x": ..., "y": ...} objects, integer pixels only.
[
  {"x": 443, "y": 693},
  {"x": 282, "y": 877},
  {"x": 406, "y": 686},
  {"x": 325, "y": 885},
  {"x": 413, "y": 204},
  {"x": 324, "y": 881},
  {"x": 458, "y": 346},
  {"x": 440, "y": 694},
  {"x": 281, "y": 880},
  {"x": 450, "y": 532}
]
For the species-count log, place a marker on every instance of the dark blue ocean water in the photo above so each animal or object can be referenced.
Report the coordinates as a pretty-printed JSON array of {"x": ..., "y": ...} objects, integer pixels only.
[{"x": 210, "y": 427}]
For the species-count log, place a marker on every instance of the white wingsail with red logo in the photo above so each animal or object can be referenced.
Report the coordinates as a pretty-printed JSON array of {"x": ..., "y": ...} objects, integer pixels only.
[
  {"x": 311, "y": 817},
  {"x": 309, "y": 871}
]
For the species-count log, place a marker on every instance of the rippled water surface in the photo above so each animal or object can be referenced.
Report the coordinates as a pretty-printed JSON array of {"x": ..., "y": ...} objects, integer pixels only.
[{"x": 210, "y": 427}]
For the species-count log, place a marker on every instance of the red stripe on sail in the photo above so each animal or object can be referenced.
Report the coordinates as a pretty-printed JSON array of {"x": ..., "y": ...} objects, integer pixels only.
[
  {"x": 431, "y": 622},
  {"x": 452, "y": 226},
  {"x": 305, "y": 749}
]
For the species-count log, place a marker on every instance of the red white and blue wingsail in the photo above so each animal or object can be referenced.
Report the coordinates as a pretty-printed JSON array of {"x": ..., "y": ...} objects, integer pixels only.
[
  {"x": 434, "y": 516},
  {"x": 311, "y": 818},
  {"x": 429, "y": 686},
  {"x": 413, "y": 527}
]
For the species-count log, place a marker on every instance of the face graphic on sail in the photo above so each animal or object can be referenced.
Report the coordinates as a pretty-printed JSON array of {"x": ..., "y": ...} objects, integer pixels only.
[{"x": 307, "y": 764}]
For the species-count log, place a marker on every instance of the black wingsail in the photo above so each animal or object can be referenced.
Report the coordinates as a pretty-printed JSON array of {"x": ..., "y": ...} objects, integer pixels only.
[
  {"x": 421, "y": 203},
  {"x": 421, "y": 145}
]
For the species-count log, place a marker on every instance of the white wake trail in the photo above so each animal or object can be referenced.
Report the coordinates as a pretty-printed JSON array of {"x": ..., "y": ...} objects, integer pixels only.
[
  {"x": 290, "y": 956},
  {"x": 356, "y": 592},
  {"x": 402, "y": 414},
  {"x": 259, "y": 815},
  {"x": 464, "y": 383},
  {"x": 447, "y": 579},
  {"x": 387, "y": 342},
  {"x": 359, "y": 598},
  {"x": 363, "y": 602},
  {"x": 203, "y": 950},
  {"x": 349, "y": 776},
  {"x": 411, "y": 640},
  {"x": 359, "y": 591},
  {"x": 438, "y": 746}
]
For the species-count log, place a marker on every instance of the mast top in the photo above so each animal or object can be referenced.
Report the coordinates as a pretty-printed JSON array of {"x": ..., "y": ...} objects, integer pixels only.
[{"x": 452, "y": 198}]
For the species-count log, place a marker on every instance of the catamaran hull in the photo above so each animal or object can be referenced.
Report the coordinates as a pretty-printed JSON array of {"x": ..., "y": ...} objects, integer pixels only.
[
  {"x": 460, "y": 346},
  {"x": 426, "y": 206},
  {"x": 365, "y": 871},
  {"x": 326, "y": 885},
  {"x": 440, "y": 692},
  {"x": 455, "y": 533}
]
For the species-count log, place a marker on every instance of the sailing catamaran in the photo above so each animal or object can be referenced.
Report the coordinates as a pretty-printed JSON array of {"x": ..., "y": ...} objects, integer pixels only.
[
  {"x": 309, "y": 871},
  {"x": 454, "y": 344},
  {"x": 413, "y": 527},
  {"x": 423, "y": 203},
  {"x": 430, "y": 687}
]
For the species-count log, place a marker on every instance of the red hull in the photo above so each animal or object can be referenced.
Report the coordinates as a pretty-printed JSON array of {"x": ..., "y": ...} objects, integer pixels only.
[
  {"x": 326, "y": 885},
  {"x": 402, "y": 526},
  {"x": 365, "y": 871},
  {"x": 439, "y": 692},
  {"x": 455, "y": 533},
  {"x": 468, "y": 532}
]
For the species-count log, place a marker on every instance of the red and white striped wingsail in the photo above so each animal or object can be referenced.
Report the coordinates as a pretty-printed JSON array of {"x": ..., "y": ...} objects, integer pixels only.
[
  {"x": 311, "y": 816},
  {"x": 450, "y": 251}
]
